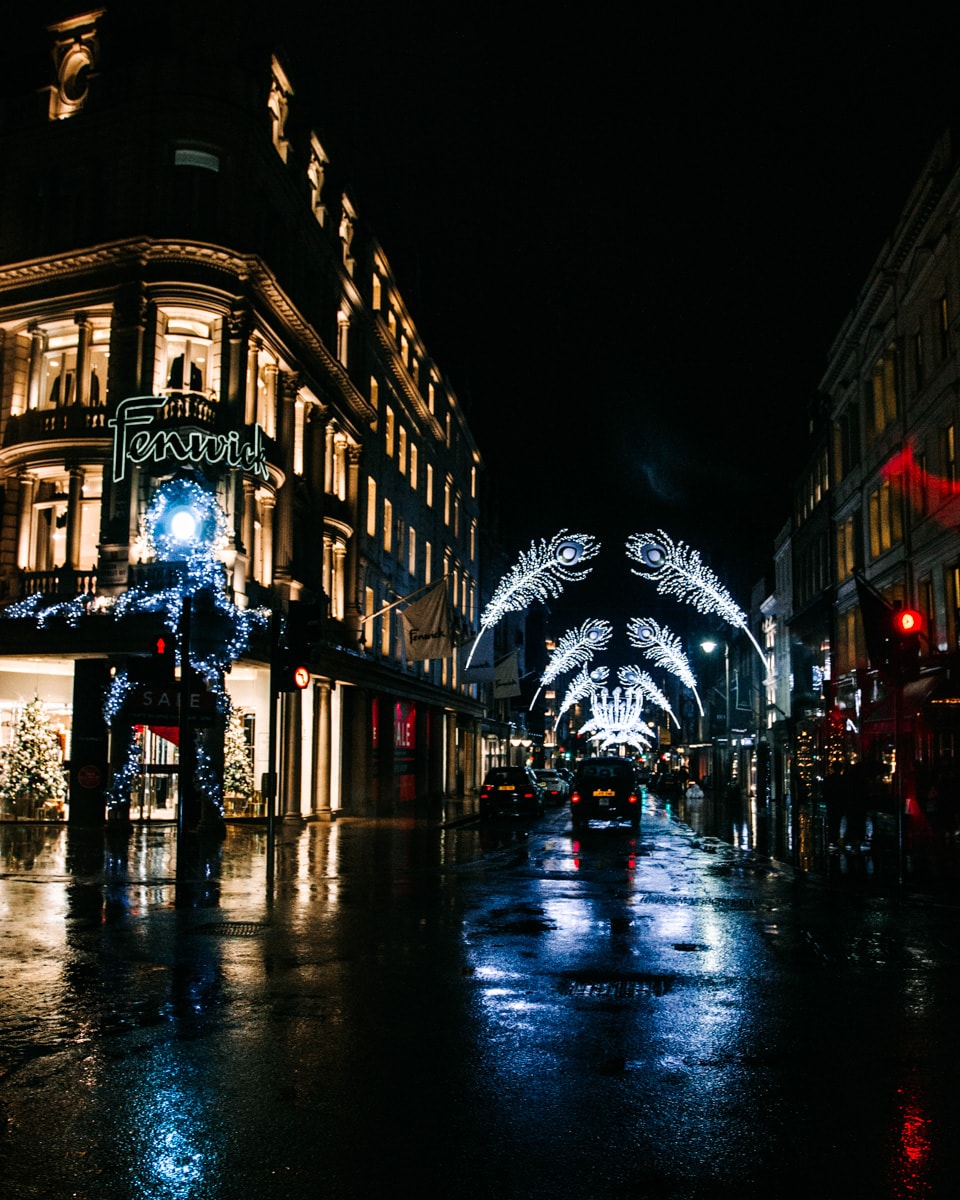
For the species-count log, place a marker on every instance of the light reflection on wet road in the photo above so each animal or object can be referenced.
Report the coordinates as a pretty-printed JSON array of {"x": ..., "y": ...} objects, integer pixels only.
[{"x": 466, "y": 1012}]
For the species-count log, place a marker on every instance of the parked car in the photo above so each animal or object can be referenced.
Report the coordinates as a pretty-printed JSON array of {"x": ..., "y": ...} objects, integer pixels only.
[
  {"x": 511, "y": 791},
  {"x": 606, "y": 788},
  {"x": 666, "y": 784},
  {"x": 555, "y": 788}
]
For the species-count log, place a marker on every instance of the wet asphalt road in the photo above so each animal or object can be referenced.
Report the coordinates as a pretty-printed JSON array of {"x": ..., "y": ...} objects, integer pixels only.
[{"x": 464, "y": 1012}]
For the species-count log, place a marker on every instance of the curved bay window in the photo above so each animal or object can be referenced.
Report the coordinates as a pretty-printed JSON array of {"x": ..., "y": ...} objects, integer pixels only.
[
  {"x": 186, "y": 353},
  {"x": 67, "y": 363},
  {"x": 59, "y": 521}
]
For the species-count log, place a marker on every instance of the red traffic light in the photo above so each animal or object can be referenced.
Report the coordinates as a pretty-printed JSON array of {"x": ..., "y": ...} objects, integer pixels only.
[
  {"x": 301, "y": 676},
  {"x": 907, "y": 620}
]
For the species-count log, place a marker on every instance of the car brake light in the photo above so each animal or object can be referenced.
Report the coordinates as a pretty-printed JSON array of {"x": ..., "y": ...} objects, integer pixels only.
[
  {"x": 575, "y": 798},
  {"x": 633, "y": 797}
]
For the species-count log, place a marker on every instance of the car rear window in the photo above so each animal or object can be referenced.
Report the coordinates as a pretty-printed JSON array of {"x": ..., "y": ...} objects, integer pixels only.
[
  {"x": 504, "y": 777},
  {"x": 620, "y": 771}
]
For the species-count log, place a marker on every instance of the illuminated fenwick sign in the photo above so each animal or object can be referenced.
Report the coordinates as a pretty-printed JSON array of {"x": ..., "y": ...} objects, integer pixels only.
[{"x": 138, "y": 439}]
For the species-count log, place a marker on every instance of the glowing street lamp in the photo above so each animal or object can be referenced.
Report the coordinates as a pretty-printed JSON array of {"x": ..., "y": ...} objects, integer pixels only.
[{"x": 708, "y": 645}]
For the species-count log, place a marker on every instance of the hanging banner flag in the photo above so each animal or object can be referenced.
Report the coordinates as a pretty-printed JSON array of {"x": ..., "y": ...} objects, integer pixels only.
[
  {"x": 427, "y": 625},
  {"x": 506, "y": 681},
  {"x": 479, "y": 651}
]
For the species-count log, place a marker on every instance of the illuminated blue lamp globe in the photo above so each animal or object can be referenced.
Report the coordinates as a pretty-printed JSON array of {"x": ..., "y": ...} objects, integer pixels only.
[{"x": 184, "y": 522}]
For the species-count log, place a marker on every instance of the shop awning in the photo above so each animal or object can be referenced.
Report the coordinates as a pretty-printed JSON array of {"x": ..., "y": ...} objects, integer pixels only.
[{"x": 170, "y": 733}]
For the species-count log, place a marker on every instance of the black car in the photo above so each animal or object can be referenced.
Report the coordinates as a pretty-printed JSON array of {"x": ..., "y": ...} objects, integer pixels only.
[
  {"x": 511, "y": 791},
  {"x": 606, "y": 789}
]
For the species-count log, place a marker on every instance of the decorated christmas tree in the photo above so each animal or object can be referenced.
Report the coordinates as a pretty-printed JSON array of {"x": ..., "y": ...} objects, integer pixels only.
[
  {"x": 32, "y": 769},
  {"x": 237, "y": 767}
]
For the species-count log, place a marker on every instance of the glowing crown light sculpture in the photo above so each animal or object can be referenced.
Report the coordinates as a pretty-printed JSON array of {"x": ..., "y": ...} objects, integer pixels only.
[
  {"x": 538, "y": 574},
  {"x": 575, "y": 649},
  {"x": 664, "y": 649},
  {"x": 616, "y": 719},
  {"x": 679, "y": 571},
  {"x": 643, "y": 681},
  {"x": 581, "y": 686}
]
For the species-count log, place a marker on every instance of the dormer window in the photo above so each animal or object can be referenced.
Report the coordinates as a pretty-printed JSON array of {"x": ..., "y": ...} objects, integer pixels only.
[
  {"x": 348, "y": 219},
  {"x": 278, "y": 102},
  {"x": 316, "y": 177},
  {"x": 75, "y": 53}
]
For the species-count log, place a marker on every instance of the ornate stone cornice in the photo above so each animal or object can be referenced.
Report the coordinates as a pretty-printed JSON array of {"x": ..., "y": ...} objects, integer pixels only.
[
  {"x": 402, "y": 378},
  {"x": 141, "y": 253}
]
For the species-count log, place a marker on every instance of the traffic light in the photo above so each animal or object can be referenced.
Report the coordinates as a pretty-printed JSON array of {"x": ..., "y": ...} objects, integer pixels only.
[
  {"x": 291, "y": 655},
  {"x": 290, "y": 670},
  {"x": 164, "y": 658},
  {"x": 290, "y": 675},
  {"x": 906, "y": 626},
  {"x": 158, "y": 666}
]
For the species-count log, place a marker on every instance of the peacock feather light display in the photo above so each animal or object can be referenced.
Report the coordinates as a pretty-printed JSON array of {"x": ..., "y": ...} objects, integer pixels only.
[
  {"x": 575, "y": 649},
  {"x": 583, "y": 684},
  {"x": 540, "y": 573},
  {"x": 664, "y": 649},
  {"x": 643, "y": 681},
  {"x": 679, "y": 571}
]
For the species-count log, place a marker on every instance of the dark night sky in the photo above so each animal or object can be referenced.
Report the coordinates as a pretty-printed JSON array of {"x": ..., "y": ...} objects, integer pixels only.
[
  {"x": 630, "y": 239},
  {"x": 628, "y": 234}
]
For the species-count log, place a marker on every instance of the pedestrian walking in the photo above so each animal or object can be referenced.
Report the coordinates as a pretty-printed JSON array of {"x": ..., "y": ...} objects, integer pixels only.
[{"x": 834, "y": 799}]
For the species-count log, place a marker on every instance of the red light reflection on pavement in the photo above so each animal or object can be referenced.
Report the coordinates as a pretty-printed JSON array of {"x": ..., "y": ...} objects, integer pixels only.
[{"x": 910, "y": 1166}]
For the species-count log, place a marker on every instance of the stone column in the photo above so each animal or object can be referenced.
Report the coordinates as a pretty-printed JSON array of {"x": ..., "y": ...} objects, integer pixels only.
[
  {"x": 318, "y": 425},
  {"x": 353, "y": 607},
  {"x": 252, "y": 378},
  {"x": 84, "y": 332},
  {"x": 28, "y": 493},
  {"x": 269, "y": 414},
  {"x": 248, "y": 530},
  {"x": 321, "y": 803},
  {"x": 450, "y": 754},
  {"x": 327, "y": 574},
  {"x": 292, "y": 757},
  {"x": 435, "y": 755},
  {"x": 37, "y": 343},
  {"x": 328, "y": 457},
  {"x": 266, "y": 540},
  {"x": 74, "y": 511},
  {"x": 286, "y": 424},
  {"x": 338, "y": 582},
  {"x": 233, "y": 388}
]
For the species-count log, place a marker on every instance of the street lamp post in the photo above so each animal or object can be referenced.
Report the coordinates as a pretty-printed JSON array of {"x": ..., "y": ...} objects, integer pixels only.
[{"x": 708, "y": 646}]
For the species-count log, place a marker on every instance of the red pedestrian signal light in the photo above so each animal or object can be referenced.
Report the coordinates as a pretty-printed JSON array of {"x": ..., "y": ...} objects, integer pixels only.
[
  {"x": 906, "y": 626},
  {"x": 907, "y": 620},
  {"x": 301, "y": 676}
]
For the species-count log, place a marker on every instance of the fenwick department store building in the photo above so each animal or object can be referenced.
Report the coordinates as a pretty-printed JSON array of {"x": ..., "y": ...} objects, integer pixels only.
[{"x": 210, "y": 387}]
